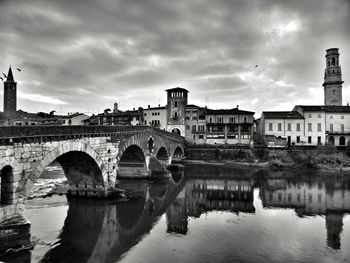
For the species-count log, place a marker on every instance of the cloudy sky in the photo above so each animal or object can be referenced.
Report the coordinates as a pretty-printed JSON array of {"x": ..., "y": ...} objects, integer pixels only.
[{"x": 86, "y": 55}]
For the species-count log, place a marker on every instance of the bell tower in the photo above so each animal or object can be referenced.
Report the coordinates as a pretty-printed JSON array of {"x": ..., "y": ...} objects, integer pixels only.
[
  {"x": 332, "y": 79},
  {"x": 10, "y": 96}
]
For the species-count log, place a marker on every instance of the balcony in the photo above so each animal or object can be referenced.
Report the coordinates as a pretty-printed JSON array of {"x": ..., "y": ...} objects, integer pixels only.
[{"x": 338, "y": 132}]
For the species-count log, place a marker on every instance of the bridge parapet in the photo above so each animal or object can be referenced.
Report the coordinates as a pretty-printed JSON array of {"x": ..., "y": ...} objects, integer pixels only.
[{"x": 12, "y": 134}]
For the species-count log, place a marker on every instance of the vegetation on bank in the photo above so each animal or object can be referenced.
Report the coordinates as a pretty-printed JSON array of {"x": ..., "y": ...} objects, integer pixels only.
[{"x": 326, "y": 157}]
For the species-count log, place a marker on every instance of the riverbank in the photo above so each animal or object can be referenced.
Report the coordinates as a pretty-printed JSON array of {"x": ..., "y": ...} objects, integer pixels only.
[
  {"x": 321, "y": 168},
  {"x": 324, "y": 159}
]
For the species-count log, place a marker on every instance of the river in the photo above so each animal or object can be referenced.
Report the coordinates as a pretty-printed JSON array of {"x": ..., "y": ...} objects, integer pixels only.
[{"x": 205, "y": 214}]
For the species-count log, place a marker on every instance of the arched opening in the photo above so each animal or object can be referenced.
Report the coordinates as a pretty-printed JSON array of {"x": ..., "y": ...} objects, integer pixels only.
[
  {"x": 73, "y": 173},
  {"x": 176, "y": 131},
  {"x": 132, "y": 163},
  {"x": 6, "y": 181},
  {"x": 150, "y": 144},
  {"x": 81, "y": 170},
  {"x": 178, "y": 153},
  {"x": 331, "y": 140},
  {"x": 162, "y": 154},
  {"x": 342, "y": 140}
]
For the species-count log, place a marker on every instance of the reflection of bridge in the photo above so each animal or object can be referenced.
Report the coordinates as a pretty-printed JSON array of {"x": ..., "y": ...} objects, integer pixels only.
[
  {"x": 92, "y": 157},
  {"x": 98, "y": 231}
]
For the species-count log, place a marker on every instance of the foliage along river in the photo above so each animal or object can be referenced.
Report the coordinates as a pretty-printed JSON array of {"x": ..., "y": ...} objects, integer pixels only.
[{"x": 205, "y": 214}]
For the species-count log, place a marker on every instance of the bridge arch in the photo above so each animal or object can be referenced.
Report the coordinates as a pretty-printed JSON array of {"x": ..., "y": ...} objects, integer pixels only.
[
  {"x": 132, "y": 162},
  {"x": 6, "y": 181},
  {"x": 80, "y": 163},
  {"x": 162, "y": 154},
  {"x": 178, "y": 153}
]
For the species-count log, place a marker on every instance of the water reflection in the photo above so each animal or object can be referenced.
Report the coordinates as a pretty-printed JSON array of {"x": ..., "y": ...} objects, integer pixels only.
[
  {"x": 99, "y": 231},
  {"x": 321, "y": 196}
]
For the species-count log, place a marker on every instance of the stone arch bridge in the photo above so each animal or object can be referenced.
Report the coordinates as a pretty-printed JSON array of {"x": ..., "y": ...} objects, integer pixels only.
[{"x": 92, "y": 157}]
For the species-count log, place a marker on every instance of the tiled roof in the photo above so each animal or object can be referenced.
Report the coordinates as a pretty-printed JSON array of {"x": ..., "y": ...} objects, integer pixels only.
[
  {"x": 282, "y": 115},
  {"x": 328, "y": 108}
]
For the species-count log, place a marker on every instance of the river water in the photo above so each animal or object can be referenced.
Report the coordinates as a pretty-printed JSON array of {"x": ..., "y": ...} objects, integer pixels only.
[{"x": 205, "y": 214}]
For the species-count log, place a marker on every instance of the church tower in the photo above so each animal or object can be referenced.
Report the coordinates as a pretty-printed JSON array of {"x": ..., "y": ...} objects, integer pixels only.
[
  {"x": 10, "y": 96},
  {"x": 332, "y": 79}
]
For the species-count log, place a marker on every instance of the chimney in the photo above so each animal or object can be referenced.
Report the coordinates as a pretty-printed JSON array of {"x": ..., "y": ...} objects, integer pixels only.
[{"x": 149, "y": 106}]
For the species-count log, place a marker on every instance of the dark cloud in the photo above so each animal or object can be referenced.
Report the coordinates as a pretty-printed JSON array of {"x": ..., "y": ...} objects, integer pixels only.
[{"x": 79, "y": 53}]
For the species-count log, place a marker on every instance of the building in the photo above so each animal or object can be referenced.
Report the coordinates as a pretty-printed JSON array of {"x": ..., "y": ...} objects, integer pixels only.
[
  {"x": 74, "y": 119},
  {"x": 133, "y": 117},
  {"x": 155, "y": 116},
  {"x": 176, "y": 110},
  {"x": 232, "y": 126},
  {"x": 314, "y": 124},
  {"x": 195, "y": 124},
  {"x": 288, "y": 125},
  {"x": 10, "y": 99},
  {"x": 326, "y": 124}
]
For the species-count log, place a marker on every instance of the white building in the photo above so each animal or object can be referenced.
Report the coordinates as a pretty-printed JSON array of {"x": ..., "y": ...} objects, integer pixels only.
[
  {"x": 155, "y": 116},
  {"x": 74, "y": 119}
]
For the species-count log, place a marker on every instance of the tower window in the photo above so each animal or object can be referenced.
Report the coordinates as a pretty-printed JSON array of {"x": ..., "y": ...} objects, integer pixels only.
[
  {"x": 175, "y": 104},
  {"x": 333, "y": 91}
]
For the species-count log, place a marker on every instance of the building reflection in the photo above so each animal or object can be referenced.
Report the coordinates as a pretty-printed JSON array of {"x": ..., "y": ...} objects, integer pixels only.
[
  {"x": 203, "y": 195},
  {"x": 326, "y": 197}
]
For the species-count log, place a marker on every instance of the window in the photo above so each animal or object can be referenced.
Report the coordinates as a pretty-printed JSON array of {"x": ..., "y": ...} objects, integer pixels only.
[
  {"x": 187, "y": 118},
  {"x": 270, "y": 126},
  {"x": 220, "y": 119},
  {"x": 319, "y": 127},
  {"x": 310, "y": 198},
  {"x": 194, "y": 128},
  {"x": 145, "y": 114},
  {"x": 331, "y": 127},
  {"x": 210, "y": 120},
  {"x": 331, "y": 117},
  {"x": 298, "y": 126},
  {"x": 200, "y": 127},
  {"x": 342, "y": 127},
  {"x": 342, "y": 117},
  {"x": 194, "y": 118},
  {"x": 232, "y": 119},
  {"x": 175, "y": 103},
  {"x": 309, "y": 139},
  {"x": 298, "y": 139},
  {"x": 175, "y": 115},
  {"x": 298, "y": 197},
  {"x": 319, "y": 142},
  {"x": 333, "y": 91},
  {"x": 310, "y": 115},
  {"x": 201, "y": 136},
  {"x": 280, "y": 127},
  {"x": 319, "y": 115},
  {"x": 309, "y": 127},
  {"x": 245, "y": 119},
  {"x": 194, "y": 137},
  {"x": 187, "y": 127},
  {"x": 289, "y": 126}
]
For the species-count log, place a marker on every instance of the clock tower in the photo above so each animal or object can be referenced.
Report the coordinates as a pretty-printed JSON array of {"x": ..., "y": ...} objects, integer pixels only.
[
  {"x": 332, "y": 79},
  {"x": 10, "y": 96}
]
